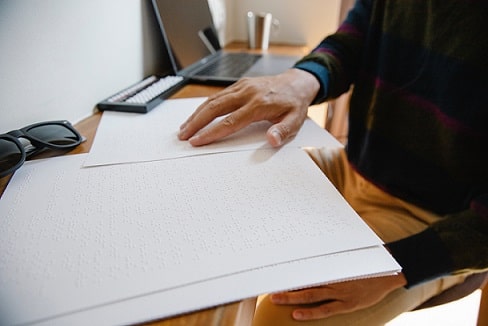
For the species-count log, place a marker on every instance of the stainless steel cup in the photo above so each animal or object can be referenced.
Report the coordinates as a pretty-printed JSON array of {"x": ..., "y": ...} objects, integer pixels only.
[{"x": 259, "y": 29}]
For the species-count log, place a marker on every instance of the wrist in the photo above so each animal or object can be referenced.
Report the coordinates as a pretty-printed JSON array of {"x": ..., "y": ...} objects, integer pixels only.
[{"x": 304, "y": 82}]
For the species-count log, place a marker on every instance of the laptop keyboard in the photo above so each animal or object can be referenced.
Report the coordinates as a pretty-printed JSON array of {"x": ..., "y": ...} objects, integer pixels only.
[{"x": 230, "y": 65}]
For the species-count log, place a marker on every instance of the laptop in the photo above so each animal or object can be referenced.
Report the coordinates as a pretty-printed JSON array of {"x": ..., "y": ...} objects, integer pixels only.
[{"x": 194, "y": 49}]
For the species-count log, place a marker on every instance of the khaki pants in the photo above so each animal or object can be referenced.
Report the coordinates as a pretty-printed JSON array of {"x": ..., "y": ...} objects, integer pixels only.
[{"x": 392, "y": 219}]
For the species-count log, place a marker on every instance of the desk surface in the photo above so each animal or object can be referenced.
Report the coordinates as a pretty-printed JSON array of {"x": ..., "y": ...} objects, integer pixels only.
[{"x": 238, "y": 313}]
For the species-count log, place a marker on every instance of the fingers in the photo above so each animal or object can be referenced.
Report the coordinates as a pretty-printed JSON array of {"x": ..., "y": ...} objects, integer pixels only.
[
  {"x": 322, "y": 311},
  {"x": 227, "y": 126},
  {"x": 343, "y": 297},
  {"x": 316, "y": 303},
  {"x": 306, "y": 296},
  {"x": 215, "y": 106},
  {"x": 277, "y": 135},
  {"x": 285, "y": 130}
]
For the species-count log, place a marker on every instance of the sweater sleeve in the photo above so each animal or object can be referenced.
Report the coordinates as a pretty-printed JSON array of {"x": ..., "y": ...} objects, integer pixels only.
[{"x": 455, "y": 243}]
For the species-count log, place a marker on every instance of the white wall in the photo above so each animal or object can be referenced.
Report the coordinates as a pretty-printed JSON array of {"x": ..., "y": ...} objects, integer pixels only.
[
  {"x": 58, "y": 58},
  {"x": 304, "y": 22}
]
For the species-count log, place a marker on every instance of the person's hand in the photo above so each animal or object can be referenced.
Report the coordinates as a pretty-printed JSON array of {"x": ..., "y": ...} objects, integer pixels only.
[
  {"x": 283, "y": 100},
  {"x": 338, "y": 298}
]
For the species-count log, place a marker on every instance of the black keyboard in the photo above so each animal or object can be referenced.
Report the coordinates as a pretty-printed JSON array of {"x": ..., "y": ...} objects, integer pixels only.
[
  {"x": 143, "y": 96},
  {"x": 230, "y": 65}
]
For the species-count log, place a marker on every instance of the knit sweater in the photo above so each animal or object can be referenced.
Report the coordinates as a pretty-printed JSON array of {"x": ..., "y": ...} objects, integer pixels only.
[{"x": 418, "y": 120}]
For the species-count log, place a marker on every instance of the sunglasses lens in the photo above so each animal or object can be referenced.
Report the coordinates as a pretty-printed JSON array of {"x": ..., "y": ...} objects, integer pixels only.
[
  {"x": 10, "y": 155},
  {"x": 54, "y": 134}
]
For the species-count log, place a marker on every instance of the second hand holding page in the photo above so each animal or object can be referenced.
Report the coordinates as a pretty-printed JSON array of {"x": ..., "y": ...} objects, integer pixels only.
[{"x": 128, "y": 137}]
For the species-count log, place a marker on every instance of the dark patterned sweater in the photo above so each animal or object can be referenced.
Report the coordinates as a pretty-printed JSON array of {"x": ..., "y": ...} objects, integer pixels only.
[{"x": 418, "y": 120}]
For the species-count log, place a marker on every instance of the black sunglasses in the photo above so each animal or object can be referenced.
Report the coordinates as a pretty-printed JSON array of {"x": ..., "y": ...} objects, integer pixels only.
[{"x": 49, "y": 134}]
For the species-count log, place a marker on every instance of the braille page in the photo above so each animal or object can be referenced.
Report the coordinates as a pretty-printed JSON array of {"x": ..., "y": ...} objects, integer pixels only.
[
  {"x": 73, "y": 238},
  {"x": 129, "y": 137},
  {"x": 374, "y": 261}
]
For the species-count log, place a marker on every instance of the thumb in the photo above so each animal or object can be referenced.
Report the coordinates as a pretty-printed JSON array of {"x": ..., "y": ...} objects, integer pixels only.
[{"x": 277, "y": 134}]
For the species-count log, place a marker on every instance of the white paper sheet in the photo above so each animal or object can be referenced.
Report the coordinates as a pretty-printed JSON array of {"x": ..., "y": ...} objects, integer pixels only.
[
  {"x": 73, "y": 238},
  {"x": 238, "y": 286},
  {"x": 129, "y": 137}
]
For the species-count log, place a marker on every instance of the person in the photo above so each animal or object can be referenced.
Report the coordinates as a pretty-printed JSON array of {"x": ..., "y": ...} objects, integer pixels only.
[{"x": 415, "y": 164}]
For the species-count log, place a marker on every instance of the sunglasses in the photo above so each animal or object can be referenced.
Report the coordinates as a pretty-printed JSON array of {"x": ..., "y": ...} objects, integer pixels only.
[{"x": 18, "y": 145}]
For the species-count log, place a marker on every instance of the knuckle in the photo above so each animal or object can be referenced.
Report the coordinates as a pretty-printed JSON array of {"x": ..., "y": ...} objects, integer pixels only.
[
  {"x": 247, "y": 81},
  {"x": 324, "y": 310},
  {"x": 212, "y": 104},
  {"x": 310, "y": 296},
  {"x": 212, "y": 97},
  {"x": 229, "y": 122}
]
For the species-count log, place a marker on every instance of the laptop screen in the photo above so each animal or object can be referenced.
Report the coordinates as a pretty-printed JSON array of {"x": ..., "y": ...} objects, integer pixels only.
[{"x": 188, "y": 30}]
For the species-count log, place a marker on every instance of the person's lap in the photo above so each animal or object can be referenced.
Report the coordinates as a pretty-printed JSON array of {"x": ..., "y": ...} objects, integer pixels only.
[{"x": 392, "y": 219}]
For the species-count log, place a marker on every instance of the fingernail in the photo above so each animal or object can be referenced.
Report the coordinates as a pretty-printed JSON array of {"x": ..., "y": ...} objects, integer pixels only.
[
  {"x": 194, "y": 140},
  {"x": 277, "y": 137},
  {"x": 183, "y": 132},
  {"x": 276, "y": 298},
  {"x": 298, "y": 315}
]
